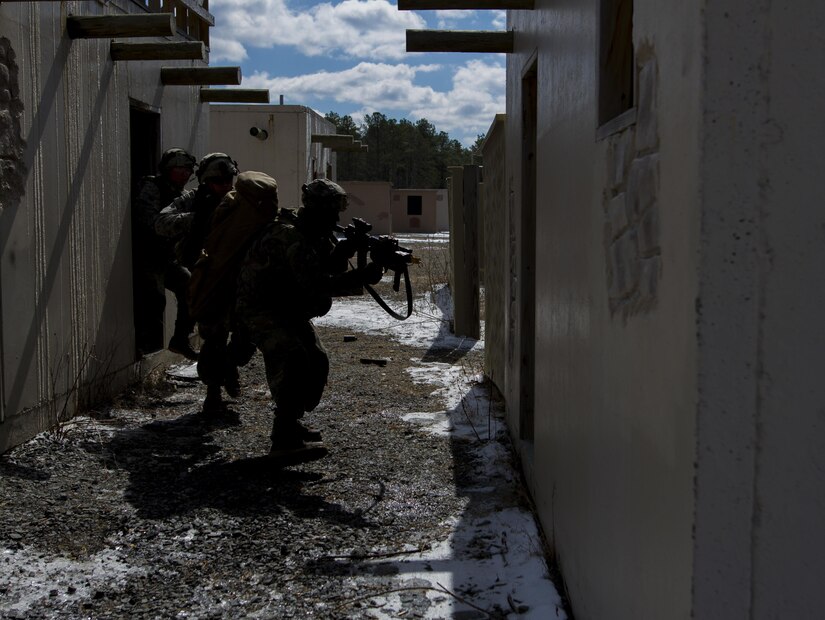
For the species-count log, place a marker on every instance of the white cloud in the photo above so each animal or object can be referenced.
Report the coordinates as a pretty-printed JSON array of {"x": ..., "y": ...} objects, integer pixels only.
[
  {"x": 466, "y": 110},
  {"x": 448, "y": 20},
  {"x": 499, "y": 19},
  {"x": 372, "y": 29},
  {"x": 224, "y": 49}
]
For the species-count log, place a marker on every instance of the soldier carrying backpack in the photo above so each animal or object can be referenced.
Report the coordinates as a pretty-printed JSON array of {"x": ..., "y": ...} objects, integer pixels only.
[{"x": 239, "y": 218}]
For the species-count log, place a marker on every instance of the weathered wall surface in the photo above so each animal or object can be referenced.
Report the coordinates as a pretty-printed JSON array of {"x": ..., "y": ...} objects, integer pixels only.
[
  {"x": 65, "y": 240},
  {"x": 442, "y": 210},
  {"x": 287, "y": 154},
  {"x": 760, "y": 544},
  {"x": 612, "y": 450},
  {"x": 494, "y": 254},
  {"x": 423, "y": 223},
  {"x": 371, "y": 202}
]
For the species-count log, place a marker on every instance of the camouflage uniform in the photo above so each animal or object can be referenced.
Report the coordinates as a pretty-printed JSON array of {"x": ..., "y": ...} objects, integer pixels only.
[
  {"x": 154, "y": 266},
  {"x": 281, "y": 287},
  {"x": 185, "y": 222},
  {"x": 290, "y": 274}
]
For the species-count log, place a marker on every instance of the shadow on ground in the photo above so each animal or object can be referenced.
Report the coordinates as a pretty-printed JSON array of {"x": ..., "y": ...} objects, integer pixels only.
[{"x": 175, "y": 466}]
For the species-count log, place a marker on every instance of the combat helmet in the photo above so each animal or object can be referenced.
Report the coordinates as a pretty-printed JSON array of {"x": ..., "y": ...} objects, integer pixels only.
[
  {"x": 216, "y": 166},
  {"x": 176, "y": 158},
  {"x": 324, "y": 193}
]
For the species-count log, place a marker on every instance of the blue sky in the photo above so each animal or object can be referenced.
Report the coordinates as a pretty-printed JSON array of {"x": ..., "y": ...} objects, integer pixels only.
[{"x": 349, "y": 57}]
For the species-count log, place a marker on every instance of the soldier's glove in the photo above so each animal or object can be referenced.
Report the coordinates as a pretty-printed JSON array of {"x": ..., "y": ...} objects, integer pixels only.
[
  {"x": 371, "y": 273},
  {"x": 344, "y": 249}
]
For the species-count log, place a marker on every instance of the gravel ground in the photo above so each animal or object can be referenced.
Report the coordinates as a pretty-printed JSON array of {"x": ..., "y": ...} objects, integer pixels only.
[{"x": 146, "y": 510}]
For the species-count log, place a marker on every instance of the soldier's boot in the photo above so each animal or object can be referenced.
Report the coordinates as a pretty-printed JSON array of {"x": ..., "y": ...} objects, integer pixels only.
[
  {"x": 213, "y": 403},
  {"x": 289, "y": 446},
  {"x": 180, "y": 344},
  {"x": 307, "y": 433},
  {"x": 232, "y": 383}
]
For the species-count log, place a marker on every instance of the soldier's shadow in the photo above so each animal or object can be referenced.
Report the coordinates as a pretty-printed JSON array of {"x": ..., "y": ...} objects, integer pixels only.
[{"x": 175, "y": 468}]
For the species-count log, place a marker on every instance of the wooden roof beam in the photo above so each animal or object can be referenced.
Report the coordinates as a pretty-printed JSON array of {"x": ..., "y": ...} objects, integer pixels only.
[
  {"x": 333, "y": 140},
  {"x": 480, "y": 41},
  {"x": 197, "y": 9},
  {"x": 464, "y": 5},
  {"x": 234, "y": 95},
  {"x": 108, "y": 26},
  {"x": 193, "y": 76},
  {"x": 168, "y": 50}
]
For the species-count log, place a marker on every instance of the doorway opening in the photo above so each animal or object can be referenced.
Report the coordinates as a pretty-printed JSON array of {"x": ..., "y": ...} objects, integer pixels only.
[
  {"x": 144, "y": 155},
  {"x": 527, "y": 340}
]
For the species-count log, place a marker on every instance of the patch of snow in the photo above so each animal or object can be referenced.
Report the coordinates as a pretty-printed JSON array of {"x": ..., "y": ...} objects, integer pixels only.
[{"x": 27, "y": 577}]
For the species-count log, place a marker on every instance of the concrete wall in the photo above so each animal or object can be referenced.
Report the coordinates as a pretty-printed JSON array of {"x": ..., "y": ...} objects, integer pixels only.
[
  {"x": 65, "y": 232},
  {"x": 288, "y": 155},
  {"x": 674, "y": 438},
  {"x": 442, "y": 210},
  {"x": 369, "y": 200},
  {"x": 609, "y": 444},
  {"x": 494, "y": 256},
  {"x": 403, "y": 222},
  {"x": 760, "y": 543}
]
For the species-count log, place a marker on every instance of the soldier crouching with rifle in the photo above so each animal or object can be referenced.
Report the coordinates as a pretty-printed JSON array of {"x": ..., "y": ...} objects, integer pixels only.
[{"x": 289, "y": 276}]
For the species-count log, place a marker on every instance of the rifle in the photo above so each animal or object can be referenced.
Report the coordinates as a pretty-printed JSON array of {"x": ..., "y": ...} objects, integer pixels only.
[{"x": 386, "y": 252}]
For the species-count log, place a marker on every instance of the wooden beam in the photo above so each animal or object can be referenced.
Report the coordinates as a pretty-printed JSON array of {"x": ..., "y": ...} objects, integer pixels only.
[
  {"x": 191, "y": 76},
  {"x": 198, "y": 10},
  {"x": 333, "y": 140},
  {"x": 234, "y": 95},
  {"x": 496, "y": 42},
  {"x": 464, "y": 5},
  {"x": 168, "y": 50},
  {"x": 107, "y": 26}
]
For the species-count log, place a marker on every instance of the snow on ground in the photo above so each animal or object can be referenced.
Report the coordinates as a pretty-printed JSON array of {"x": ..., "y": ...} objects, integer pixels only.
[{"x": 517, "y": 572}]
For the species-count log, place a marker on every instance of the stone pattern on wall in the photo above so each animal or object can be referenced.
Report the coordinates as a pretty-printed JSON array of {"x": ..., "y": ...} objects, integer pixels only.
[
  {"x": 631, "y": 206},
  {"x": 12, "y": 168}
]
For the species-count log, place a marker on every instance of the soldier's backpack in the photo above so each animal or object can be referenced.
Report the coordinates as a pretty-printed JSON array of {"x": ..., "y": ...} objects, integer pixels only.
[{"x": 239, "y": 218}]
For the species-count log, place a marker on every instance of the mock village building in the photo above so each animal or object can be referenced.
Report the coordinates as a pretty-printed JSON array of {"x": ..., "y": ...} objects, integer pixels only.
[
  {"x": 90, "y": 94},
  {"x": 658, "y": 267}
]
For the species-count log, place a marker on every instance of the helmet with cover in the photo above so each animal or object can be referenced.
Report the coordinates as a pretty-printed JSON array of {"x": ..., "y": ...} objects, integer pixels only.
[
  {"x": 175, "y": 158},
  {"x": 324, "y": 194},
  {"x": 215, "y": 167},
  {"x": 323, "y": 202}
]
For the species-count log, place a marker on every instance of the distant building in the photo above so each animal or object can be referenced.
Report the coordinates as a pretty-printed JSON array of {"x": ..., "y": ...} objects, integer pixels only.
[
  {"x": 369, "y": 200},
  {"x": 419, "y": 210},
  {"x": 277, "y": 140}
]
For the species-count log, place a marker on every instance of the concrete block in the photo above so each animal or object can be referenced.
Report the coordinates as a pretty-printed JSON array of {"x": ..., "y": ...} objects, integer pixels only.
[
  {"x": 620, "y": 155},
  {"x": 617, "y": 215},
  {"x": 648, "y": 230},
  {"x": 642, "y": 185},
  {"x": 647, "y": 126},
  {"x": 624, "y": 265},
  {"x": 650, "y": 269}
]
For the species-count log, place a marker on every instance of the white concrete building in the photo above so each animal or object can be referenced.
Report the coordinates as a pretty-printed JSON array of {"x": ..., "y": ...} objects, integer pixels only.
[
  {"x": 664, "y": 301},
  {"x": 661, "y": 344},
  {"x": 67, "y": 164},
  {"x": 277, "y": 140}
]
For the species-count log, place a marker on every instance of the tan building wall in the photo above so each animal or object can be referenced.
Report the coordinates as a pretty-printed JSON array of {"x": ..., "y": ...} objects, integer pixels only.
[
  {"x": 66, "y": 320},
  {"x": 664, "y": 302},
  {"x": 442, "y": 210},
  {"x": 287, "y": 154},
  {"x": 369, "y": 200},
  {"x": 415, "y": 210}
]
